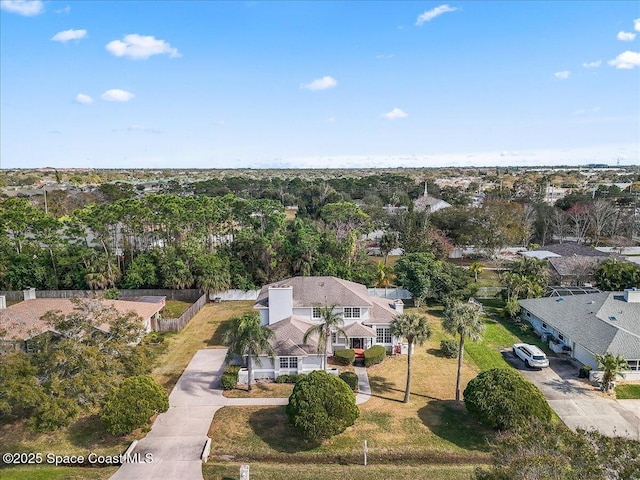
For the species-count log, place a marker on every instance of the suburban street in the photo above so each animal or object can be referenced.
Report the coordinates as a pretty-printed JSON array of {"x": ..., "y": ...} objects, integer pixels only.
[{"x": 577, "y": 402}]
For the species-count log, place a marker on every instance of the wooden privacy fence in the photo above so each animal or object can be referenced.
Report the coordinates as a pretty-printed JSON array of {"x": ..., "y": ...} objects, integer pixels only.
[{"x": 177, "y": 324}]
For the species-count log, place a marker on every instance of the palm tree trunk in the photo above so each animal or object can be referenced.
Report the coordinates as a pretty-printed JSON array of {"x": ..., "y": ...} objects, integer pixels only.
[
  {"x": 407, "y": 390},
  {"x": 460, "y": 355},
  {"x": 249, "y": 371}
]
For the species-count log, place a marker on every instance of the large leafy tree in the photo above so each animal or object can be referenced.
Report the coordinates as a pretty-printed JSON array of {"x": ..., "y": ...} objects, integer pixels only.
[
  {"x": 416, "y": 329},
  {"x": 330, "y": 321},
  {"x": 462, "y": 319},
  {"x": 614, "y": 275},
  {"x": 612, "y": 367},
  {"x": 246, "y": 336}
]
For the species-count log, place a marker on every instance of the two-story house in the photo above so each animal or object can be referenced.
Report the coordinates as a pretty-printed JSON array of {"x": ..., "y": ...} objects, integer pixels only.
[{"x": 292, "y": 306}]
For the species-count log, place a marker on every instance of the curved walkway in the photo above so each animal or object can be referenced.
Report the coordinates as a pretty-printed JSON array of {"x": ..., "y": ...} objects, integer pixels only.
[{"x": 178, "y": 436}]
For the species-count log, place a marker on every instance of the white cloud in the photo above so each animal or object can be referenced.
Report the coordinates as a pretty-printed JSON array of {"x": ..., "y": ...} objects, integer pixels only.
[
  {"x": 595, "y": 64},
  {"x": 389, "y": 55},
  {"x": 27, "y": 8},
  {"x": 636, "y": 24},
  {"x": 320, "y": 84},
  {"x": 117, "y": 95},
  {"x": 141, "y": 47},
  {"x": 562, "y": 75},
  {"x": 626, "y": 36},
  {"x": 431, "y": 14},
  {"x": 70, "y": 34},
  {"x": 626, "y": 60},
  {"x": 83, "y": 99},
  {"x": 394, "y": 114},
  {"x": 66, "y": 9}
]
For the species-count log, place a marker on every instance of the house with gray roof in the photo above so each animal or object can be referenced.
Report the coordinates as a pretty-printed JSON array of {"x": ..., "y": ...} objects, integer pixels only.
[
  {"x": 292, "y": 306},
  {"x": 585, "y": 325}
]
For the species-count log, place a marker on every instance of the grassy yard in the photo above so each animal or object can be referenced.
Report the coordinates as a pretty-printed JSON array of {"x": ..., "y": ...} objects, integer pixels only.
[
  {"x": 628, "y": 391},
  {"x": 431, "y": 429},
  {"x": 174, "y": 308},
  {"x": 203, "y": 331},
  {"x": 266, "y": 471},
  {"x": 51, "y": 472}
]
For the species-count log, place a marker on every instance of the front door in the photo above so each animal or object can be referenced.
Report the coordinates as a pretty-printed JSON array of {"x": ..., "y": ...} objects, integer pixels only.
[{"x": 356, "y": 343}]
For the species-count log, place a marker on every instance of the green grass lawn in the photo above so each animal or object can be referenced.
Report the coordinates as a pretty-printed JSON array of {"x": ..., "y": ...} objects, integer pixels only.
[
  {"x": 281, "y": 471},
  {"x": 628, "y": 391},
  {"x": 175, "y": 308},
  {"x": 51, "y": 472}
]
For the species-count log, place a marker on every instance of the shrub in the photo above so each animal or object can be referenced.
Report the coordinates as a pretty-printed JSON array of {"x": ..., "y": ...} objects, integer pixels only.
[
  {"x": 53, "y": 413},
  {"x": 130, "y": 405},
  {"x": 344, "y": 357},
  {"x": 321, "y": 406},
  {"x": 449, "y": 348},
  {"x": 229, "y": 378},
  {"x": 282, "y": 379},
  {"x": 350, "y": 379},
  {"x": 374, "y": 355},
  {"x": 504, "y": 399}
]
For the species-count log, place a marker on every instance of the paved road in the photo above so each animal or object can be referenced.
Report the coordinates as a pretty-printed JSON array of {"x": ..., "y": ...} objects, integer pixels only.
[
  {"x": 577, "y": 402},
  {"x": 178, "y": 436}
]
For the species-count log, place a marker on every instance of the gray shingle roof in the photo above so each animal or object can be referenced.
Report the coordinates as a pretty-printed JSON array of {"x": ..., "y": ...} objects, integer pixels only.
[
  {"x": 311, "y": 291},
  {"x": 357, "y": 330},
  {"x": 575, "y": 265},
  {"x": 571, "y": 248},
  {"x": 600, "y": 322},
  {"x": 288, "y": 337}
]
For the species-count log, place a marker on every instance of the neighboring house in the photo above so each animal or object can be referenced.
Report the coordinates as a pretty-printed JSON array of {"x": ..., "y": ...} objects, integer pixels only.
[
  {"x": 23, "y": 321},
  {"x": 570, "y": 264},
  {"x": 292, "y": 306},
  {"x": 429, "y": 204},
  {"x": 589, "y": 324}
]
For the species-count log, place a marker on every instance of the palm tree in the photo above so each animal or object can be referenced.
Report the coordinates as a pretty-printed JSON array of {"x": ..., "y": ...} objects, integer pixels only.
[
  {"x": 416, "y": 329},
  {"x": 246, "y": 336},
  {"x": 476, "y": 268},
  {"x": 462, "y": 319},
  {"x": 612, "y": 368},
  {"x": 331, "y": 322}
]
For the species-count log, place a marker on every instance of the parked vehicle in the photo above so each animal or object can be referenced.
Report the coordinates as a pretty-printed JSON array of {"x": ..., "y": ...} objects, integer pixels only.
[{"x": 531, "y": 355}]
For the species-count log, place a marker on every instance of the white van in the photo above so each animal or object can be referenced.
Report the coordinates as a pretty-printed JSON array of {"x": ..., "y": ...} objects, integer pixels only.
[{"x": 531, "y": 355}]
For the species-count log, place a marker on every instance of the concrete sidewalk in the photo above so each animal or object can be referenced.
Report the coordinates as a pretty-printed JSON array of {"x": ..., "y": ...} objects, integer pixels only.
[{"x": 178, "y": 436}]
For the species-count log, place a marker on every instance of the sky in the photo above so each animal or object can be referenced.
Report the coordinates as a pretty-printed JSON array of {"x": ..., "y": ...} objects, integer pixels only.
[{"x": 321, "y": 84}]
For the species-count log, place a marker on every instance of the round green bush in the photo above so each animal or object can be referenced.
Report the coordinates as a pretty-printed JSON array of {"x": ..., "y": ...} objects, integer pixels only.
[
  {"x": 282, "y": 379},
  {"x": 229, "y": 378},
  {"x": 449, "y": 348},
  {"x": 344, "y": 357},
  {"x": 351, "y": 379},
  {"x": 130, "y": 405},
  {"x": 502, "y": 398},
  {"x": 321, "y": 406},
  {"x": 374, "y": 355}
]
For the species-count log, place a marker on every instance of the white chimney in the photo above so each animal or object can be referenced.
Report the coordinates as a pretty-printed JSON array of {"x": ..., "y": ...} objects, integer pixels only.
[
  {"x": 280, "y": 302},
  {"x": 632, "y": 295},
  {"x": 3, "y": 302},
  {"x": 29, "y": 293},
  {"x": 398, "y": 305}
]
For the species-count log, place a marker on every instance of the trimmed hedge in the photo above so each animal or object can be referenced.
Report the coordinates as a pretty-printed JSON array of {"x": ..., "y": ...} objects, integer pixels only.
[
  {"x": 449, "y": 348},
  {"x": 344, "y": 357},
  {"x": 374, "y": 355},
  {"x": 293, "y": 378},
  {"x": 350, "y": 379},
  {"x": 229, "y": 378}
]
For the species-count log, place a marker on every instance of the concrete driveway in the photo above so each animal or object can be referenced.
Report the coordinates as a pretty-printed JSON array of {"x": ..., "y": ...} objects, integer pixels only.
[
  {"x": 178, "y": 436},
  {"x": 577, "y": 402}
]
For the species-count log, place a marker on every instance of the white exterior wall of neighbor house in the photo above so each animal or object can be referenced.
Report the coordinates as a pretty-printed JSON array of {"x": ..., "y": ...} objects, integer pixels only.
[
  {"x": 280, "y": 303},
  {"x": 273, "y": 370}
]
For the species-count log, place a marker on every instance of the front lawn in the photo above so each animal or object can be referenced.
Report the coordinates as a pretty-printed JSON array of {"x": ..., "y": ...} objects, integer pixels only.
[
  {"x": 261, "y": 390},
  {"x": 51, "y": 472},
  {"x": 628, "y": 391}
]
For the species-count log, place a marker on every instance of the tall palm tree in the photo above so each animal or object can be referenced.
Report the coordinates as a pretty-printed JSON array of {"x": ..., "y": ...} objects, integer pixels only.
[
  {"x": 476, "y": 268},
  {"x": 331, "y": 322},
  {"x": 612, "y": 368},
  {"x": 246, "y": 336},
  {"x": 462, "y": 319},
  {"x": 416, "y": 329}
]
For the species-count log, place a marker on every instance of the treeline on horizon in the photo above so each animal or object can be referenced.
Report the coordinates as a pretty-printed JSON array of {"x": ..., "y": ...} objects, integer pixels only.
[{"x": 234, "y": 232}]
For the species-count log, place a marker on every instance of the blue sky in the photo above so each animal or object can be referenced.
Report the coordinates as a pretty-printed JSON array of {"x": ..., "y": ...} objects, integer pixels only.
[{"x": 318, "y": 84}]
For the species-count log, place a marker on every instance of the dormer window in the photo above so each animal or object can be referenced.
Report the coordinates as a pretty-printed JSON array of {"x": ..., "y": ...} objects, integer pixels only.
[
  {"x": 317, "y": 313},
  {"x": 351, "y": 312}
]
